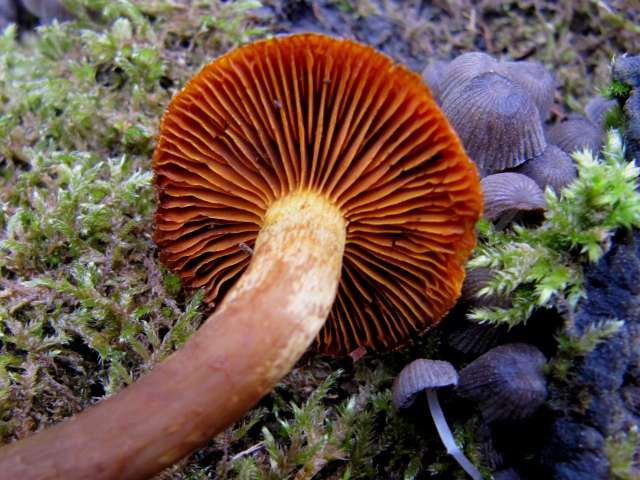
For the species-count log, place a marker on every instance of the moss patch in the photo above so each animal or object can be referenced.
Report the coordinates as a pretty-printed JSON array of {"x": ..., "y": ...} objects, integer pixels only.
[{"x": 85, "y": 308}]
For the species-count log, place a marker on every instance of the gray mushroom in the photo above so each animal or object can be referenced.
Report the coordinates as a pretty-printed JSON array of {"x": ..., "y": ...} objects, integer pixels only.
[
  {"x": 576, "y": 133},
  {"x": 533, "y": 77},
  {"x": 506, "y": 474},
  {"x": 463, "y": 69},
  {"x": 8, "y": 13},
  {"x": 597, "y": 109},
  {"x": 471, "y": 337},
  {"x": 489, "y": 451},
  {"x": 507, "y": 382},
  {"x": 429, "y": 375},
  {"x": 626, "y": 69},
  {"x": 475, "y": 280},
  {"x": 554, "y": 168},
  {"x": 632, "y": 125},
  {"x": 433, "y": 74},
  {"x": 509, "y": 195},
  {"x": 497, "y": 121},
  {"x": 539, "y": 83},
  {"x": 48, "y": 10}
]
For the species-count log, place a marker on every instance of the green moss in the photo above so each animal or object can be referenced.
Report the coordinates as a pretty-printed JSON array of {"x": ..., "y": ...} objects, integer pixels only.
[
  {"x": 571, "y": 345},
  {"x": 542, "y": 267},
  {"x": 85, "y": 308},
  {"x": 616, "y": 90},
  {"x": 615, "y": 119},
  {"x": 622, "y": 452}
]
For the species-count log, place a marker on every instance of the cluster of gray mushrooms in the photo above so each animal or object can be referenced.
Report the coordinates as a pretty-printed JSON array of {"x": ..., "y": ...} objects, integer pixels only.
[{"x": 503, "y": 111}]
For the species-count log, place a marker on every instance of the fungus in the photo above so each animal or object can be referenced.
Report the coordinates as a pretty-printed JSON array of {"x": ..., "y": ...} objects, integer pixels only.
[
  {"x": 463, "y": 69},
  {"x": 509, "y": 195},
  {"x": 507, "y": 382},
  {"x": 507, "y": 474},
  {"x": 497, "y": 121},
  {"x": 626, "y": 69},
  {"x": 576, "y": 133},
  {"x": 338, "y": 171},
  {"x": 48, "y": 10},
  {"x": 474, "y": 281},
  {"x": 433, "y": 74},
  {"x": 598, "y": 108},
  {"x": 536, "y": 80},
  {"x": 470, "y": 337},
  {"x": 554, "y": 168},
  {"x": 427, "y": 376}
]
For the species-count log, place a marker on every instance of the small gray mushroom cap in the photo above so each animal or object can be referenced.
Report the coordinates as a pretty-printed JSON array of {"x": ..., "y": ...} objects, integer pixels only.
[
  {"x": 597, "y": 108},
  {"x": 507, "y": 382},
  {"x": 539, "y": 83},
  {"x": 506, "y": 474},
  {"x": 471, "y": 337},
  {"x": 533, "y": 77},
  {"x": 497, "y": 121},
  {"x": 476, "y": 279},
  {"x": 508, "y": 194},
  {"x": 554, "y": 169},
  {"x": 475, "y": 338},
  {"x": 632, "y": 125},
  {"x": 433, "y": 74},
  {"x": 421, "y": 375},
  {"x": 493, "y": 458},
  {"x": 463, "y": 69},
  {"x": 626, "y": 69},
  {"x": 48, "y": 10},
  {"x": 577, "y": 133},
  {"x": 8, "y": 13}
]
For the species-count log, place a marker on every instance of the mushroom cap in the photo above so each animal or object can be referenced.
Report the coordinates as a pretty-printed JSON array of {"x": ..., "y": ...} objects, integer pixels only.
[
  {"x": 626, "y": 69},
  {"x": 576, "y": 133},
  {"x": 507, "y": 474},
  {"x": 462, "y": 70},
  {"x": 533, "y": 77},
  {"x": 309, "y": 112},
  {"x": 539, "y": 83},
  {"x": 497, "y": 121},
  {"x": 475, "y": 338},
  {"x": 632, "y": 124},
  {"x": 433, "y": 74},
  {"x": 597, "y": 108},
  {"x": 475, "y": 280},
  {"x": 554, "y": 168},
  {"x": 420, "y": 375},
  {"x": 507, "y": 382},
  {"x": 48, "y": 10},
  {"x": 508, "y": 193}
]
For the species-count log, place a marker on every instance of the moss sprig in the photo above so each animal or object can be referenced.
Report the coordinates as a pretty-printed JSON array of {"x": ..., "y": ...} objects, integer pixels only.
[{"x": 539, "y": 267}]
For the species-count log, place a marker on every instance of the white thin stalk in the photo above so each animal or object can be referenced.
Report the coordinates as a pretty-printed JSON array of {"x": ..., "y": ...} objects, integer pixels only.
[{"x": 447, "y": 437}]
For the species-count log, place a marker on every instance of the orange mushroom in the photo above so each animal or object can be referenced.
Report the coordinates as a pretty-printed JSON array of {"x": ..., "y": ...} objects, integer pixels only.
[{"x": 338, "y": 171}]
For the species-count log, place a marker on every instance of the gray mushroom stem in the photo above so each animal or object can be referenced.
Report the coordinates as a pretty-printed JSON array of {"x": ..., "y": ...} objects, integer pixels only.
[{"x": 447, "y": 437}]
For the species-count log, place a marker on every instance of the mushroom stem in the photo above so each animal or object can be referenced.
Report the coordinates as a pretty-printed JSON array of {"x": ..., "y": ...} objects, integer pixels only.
[
  {"x": 238, "y": 355},
  {"x": 447, "y": 437}
]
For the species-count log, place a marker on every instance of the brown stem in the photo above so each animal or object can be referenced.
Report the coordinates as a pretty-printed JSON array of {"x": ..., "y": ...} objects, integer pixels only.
[{"x": 254, "y": 338}]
